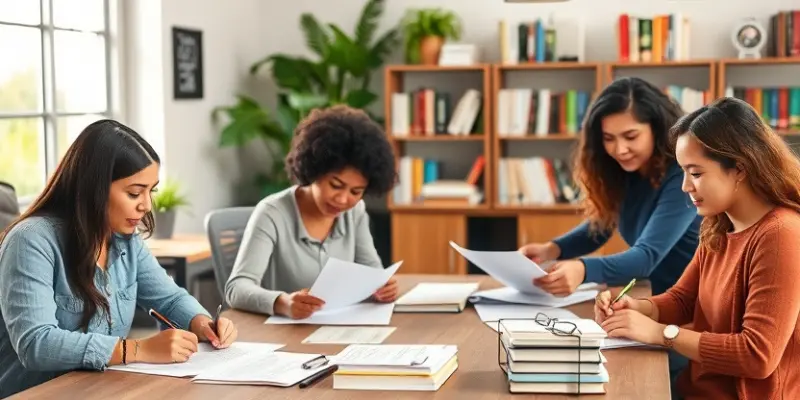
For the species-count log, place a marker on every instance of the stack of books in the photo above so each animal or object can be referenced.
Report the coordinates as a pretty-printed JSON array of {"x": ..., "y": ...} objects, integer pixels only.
[
  {"x": 553, "y": 356},
  {"x": 395, "y": 367}
]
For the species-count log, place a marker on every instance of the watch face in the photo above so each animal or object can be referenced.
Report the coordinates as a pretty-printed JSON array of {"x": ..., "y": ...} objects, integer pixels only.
[{"x": 671, "y": 331}]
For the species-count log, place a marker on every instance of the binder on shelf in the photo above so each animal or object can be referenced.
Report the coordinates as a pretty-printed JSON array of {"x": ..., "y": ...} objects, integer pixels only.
[{"x": 563, "y": 355}]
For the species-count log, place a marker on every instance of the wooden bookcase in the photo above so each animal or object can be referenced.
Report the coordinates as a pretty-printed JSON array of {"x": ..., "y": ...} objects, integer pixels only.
[
  {"x": 759, "y": 73},
  {"x": 420, "y": 233}
]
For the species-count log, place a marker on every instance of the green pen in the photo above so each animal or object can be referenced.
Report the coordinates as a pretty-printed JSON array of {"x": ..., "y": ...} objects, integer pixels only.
[{"x": 624, "y": 290}]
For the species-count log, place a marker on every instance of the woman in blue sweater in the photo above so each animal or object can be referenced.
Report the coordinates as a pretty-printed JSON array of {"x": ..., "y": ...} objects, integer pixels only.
[{"x": 631, "y": 182}]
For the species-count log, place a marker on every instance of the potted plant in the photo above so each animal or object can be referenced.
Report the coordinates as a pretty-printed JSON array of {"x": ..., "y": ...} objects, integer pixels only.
[
  {"x": 425, "y": 31},
  {"x": 166, "y": 202},
  {"x": 339, "y": 72}
]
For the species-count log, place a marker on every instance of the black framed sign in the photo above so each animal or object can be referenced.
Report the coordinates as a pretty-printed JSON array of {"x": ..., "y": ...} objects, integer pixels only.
[{"x": 187, "y": 63}]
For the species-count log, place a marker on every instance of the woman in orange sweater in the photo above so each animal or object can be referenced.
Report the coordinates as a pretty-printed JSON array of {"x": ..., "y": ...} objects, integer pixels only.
[{"x": 741, "y": 292}]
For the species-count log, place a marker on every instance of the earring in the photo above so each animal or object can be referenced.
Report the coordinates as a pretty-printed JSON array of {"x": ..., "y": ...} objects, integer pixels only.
[{"x": 736, "y": 188}]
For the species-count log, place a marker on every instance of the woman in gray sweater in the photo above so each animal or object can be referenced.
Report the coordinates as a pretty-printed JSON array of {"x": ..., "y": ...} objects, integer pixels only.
[{"x": 338, "y": 155}]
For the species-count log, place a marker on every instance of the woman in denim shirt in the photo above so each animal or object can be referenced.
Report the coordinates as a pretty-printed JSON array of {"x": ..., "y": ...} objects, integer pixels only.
[{"x": 73, "y": 269}]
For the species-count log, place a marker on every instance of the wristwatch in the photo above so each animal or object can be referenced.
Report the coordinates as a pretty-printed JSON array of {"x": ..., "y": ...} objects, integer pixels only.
[{"x": 670, "y": 333}]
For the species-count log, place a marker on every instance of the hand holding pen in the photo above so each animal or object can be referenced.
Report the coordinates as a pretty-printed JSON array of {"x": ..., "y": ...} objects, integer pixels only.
[
  {"x": 220, "y": 331},
  {"x": 605, "y": 304}
]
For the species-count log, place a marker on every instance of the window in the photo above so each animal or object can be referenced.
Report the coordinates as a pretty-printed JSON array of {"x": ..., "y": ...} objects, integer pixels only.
[{"x": 54, "y": 80}]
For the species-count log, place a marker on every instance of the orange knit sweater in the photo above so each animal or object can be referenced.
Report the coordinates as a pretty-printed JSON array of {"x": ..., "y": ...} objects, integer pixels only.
[{"x": 745, "y": 302}]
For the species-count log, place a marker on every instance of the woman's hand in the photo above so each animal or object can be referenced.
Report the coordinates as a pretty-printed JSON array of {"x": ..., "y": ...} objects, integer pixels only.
[
  {"x": 541, "y": 252},
  {"x": 221, "y": 337},
  {"x": 563, "y": 278},
  {"x": 604, "y": 309},
  {"x": 388, "y": 292},
  {"x": 298, "y": 305},
  {"x": 167, "y": 346},
  {"x": 632, "y": 324}
]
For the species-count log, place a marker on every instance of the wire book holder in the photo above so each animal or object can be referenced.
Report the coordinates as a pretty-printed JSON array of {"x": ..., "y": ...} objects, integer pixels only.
[{"x": 552, "y": 325}]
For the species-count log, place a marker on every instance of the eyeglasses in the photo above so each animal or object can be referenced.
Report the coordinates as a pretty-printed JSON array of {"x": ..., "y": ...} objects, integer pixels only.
[{"x": 553, "y": 325}]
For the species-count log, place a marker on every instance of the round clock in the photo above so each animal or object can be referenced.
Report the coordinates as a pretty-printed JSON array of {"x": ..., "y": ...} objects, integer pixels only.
[{"x": 749, "y": 37}]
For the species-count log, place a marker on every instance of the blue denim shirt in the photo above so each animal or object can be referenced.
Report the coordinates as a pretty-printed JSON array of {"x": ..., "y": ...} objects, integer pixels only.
[{"x": 40, "y": 335}]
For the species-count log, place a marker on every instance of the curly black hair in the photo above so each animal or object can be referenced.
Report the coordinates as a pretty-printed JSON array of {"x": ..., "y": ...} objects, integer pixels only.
[{"x": 330, "y": 139}]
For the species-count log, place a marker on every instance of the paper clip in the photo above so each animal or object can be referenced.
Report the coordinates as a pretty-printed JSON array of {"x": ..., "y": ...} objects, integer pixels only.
[
  {"x": 419, "y": 362},
  {"x": 316, "y": 362}
]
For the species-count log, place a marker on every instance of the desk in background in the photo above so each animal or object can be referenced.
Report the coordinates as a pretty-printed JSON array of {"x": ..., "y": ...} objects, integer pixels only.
[
  {"x": 635, "y": 373},
  {"x": 186, "y": 258}
]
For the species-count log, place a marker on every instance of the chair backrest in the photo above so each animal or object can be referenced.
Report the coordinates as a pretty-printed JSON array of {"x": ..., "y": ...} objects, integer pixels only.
[
  {"x": 9, "y": 206},
  {"x": 225, "y": 228}
]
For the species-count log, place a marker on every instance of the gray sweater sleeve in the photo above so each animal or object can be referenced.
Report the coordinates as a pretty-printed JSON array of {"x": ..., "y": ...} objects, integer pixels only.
[{"x": 243, "y": 289}]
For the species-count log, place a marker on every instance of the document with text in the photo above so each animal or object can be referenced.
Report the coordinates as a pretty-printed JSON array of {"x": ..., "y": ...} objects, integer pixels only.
[
  {"x": 349, "y": 335},
  {"x": 205, "y": 358}
]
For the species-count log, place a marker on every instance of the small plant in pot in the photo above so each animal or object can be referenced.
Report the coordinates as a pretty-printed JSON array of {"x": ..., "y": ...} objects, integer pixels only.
[
  {"x": 166, "y": 201},
  {"x": 425, "y": 31}
]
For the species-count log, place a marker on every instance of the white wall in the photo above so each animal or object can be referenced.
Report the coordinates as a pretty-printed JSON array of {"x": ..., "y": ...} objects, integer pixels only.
[
  {"x": 181, "y": 130},
  {"x": 238, "y": 33}
]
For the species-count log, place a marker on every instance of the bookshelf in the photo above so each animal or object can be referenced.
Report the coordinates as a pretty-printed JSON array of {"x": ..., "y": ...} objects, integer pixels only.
[
  {"x": 692, "y": 83},
  {"x": 755, "y": 80},
  {"x": 421, "y": 232}
]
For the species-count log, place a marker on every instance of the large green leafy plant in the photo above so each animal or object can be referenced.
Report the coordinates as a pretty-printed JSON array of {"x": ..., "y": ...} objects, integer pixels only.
[{"x": 340, "y": 72}]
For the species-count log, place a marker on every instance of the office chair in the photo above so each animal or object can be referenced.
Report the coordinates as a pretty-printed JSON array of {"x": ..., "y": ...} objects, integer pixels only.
[{"x": 225, "y": 228}]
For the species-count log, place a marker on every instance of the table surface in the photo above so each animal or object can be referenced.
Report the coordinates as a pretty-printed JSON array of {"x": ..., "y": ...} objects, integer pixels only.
[
  {"x": 635, "y": 373},
  {"x": 191, "y": 247}
]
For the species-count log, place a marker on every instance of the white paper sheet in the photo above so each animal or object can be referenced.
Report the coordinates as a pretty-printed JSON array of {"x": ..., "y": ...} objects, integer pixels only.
[
  {"x": 277, "y": 369},
  {"x": 205, "y": 358},
  {"x": 507, "y": 295},
  {"x": 349, "y": 335},
  {"x": 495, "y": 312},
  {"x": 511, "y": 268},
  {"x": 343, "y": 283},
  {"x": 358, "y": 314}
]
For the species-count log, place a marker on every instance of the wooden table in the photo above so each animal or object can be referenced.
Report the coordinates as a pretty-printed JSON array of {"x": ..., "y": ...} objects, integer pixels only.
[{"x": 635, "y": 373}]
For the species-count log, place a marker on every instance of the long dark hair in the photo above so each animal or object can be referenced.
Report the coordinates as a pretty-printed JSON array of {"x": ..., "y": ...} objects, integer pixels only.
[
  {"x": 733, "y": 134},
  {"x": 599, "y": 176},
  {"x": 77, "y": 194}
]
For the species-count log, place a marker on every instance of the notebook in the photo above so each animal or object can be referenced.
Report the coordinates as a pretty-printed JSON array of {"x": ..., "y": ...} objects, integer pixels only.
[{"x": 436, "y": 297}]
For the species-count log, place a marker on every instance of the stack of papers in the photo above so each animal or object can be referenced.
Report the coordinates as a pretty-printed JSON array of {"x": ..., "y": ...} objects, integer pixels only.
[
  {"x": 517, "y": 272},
  {"x": 436, "y": 297},
  {"x": 541, "y": 361},
  {"x": 275, "y": 369},
  {"x": 395, "y": 367},
  {"x": 344, "y": 285}
]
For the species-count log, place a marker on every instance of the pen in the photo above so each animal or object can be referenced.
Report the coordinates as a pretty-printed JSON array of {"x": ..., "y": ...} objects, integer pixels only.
[
  {"x": 216, "y": 321},
  {"x": 162, "y": 319},
  {"x": 624, "y": 290},
  {"x": 316, "y": 362},
  {"x": 318, "y": 376}
]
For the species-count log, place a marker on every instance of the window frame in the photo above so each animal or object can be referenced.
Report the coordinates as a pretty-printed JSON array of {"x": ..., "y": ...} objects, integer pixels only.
[{"x": 49, "y": 114}]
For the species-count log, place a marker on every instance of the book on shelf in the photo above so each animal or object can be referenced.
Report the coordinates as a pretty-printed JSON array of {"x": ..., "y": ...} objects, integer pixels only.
[
  {"x": 779, "y": 106},
  {"x": 436, "y": 297},
  {"x": 784, "y": 34},
  {"x": 540, "y": 112},
  {"x": 395, "y": 367},
  {"x": 420, "y": 181},
  {"x": 653, "y": 39},
  {"x": 551, "y": 355},
  {"x": 690, "y": 99},
  {"x": 428, "y": 112},
  {"x": 540, "y": 41},
  {"x": 535, "y": 180}
]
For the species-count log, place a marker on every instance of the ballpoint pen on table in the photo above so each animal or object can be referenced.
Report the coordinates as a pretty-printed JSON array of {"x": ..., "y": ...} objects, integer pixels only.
[
  {"x": 625, "y": 290},
  {"x": 318, "y": 376},
  {"x": 216, "y": 322}
]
